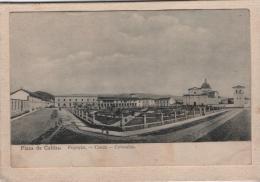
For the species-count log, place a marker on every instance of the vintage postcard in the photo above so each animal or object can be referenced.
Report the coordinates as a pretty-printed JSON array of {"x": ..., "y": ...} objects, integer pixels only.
[
  {"x": 127, "y": 77},
  {"x": 118, "y": 87},
  {"x": 130, "y": 77}
]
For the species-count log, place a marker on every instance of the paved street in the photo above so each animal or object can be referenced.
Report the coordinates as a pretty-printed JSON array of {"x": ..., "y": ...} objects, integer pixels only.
[{"x": 27, "y": 128}]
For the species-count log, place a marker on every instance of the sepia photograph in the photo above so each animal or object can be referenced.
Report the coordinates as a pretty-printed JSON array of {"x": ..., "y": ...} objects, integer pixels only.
[{"x": 119, "y": 77}]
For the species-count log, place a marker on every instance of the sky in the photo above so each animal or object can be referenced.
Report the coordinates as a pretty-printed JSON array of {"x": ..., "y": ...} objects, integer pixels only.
[{"x": 160, "y": 52}]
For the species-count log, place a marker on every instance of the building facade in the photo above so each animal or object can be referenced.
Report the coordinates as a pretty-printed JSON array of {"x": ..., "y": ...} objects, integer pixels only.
[
  {"x": 239, "y": 96},
  {"x": 165, "y": 101},
  {"x": 75, "y": 99},
  {"x": 19, "y": 107},
  {"x": 112, "y": 101},
  {"x": 23, "y": 101},
  {"x": 203, "y": 95},
  {"x": 105, "y": 102}
]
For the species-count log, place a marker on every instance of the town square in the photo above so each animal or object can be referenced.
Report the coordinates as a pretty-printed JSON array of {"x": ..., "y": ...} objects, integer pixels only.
[{"x": 162, "y": 77}]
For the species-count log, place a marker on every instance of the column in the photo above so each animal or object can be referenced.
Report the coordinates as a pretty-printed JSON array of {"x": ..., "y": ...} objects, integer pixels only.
[
  {"x": 123, "y": 124},
  {"x": 162, "y": 120},
  {"x": 93, "y": 118},
  {"x": 86, "y": 113},
  {"x": 194, "y": 113},
  {"x": 145, "y": 124},
  {"x": 200, "y": 111},
  {"x": 175, "y": 117},
  {"x": 122, "y": 121}
]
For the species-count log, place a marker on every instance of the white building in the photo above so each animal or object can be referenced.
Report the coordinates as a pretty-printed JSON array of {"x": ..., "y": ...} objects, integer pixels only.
[
  {"x": 25, "y": 101},
  {"x": 165, "y": 101},
  {"x": 75, "y": 99},
  {"x": 112, "y": 101},
  {"x": 239, "y": 96},
  {"x": 117, "y": 102},
  {"x": 203, "y": 95}
]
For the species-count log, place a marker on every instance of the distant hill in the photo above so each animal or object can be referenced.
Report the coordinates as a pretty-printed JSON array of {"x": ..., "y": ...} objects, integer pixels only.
[{"x": 44, "y": 95}]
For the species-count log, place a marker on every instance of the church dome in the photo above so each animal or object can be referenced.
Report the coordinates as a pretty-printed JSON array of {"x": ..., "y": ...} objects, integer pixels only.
[{"x": 205, "y": 85}]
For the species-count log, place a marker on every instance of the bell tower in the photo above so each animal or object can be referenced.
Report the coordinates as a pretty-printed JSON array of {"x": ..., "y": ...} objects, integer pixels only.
[{"x": 239, "y": 96}]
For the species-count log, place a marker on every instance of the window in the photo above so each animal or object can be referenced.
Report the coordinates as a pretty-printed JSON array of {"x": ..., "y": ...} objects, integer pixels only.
[
  {"x": 81, "y": 99},
  {"x": 64, "y": 99},
  {"x": 69, "y": 99}
]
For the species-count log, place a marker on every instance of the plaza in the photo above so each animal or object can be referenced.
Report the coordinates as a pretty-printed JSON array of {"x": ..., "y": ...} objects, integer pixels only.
[{"x": 124, "y": 116}]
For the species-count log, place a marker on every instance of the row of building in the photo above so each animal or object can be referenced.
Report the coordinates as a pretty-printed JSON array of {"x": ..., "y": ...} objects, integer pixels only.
[
  {"x": 114, "y": 101},
  {"x": 195, "y": 96},
  {"x": 24, "y": 101}
]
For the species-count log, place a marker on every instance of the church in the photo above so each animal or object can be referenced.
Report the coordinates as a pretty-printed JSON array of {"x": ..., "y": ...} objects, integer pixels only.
[{"x": 203, "y": 95}]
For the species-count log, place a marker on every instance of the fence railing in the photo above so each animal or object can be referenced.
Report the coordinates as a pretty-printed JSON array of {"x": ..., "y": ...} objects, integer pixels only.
[{"x": 147, "y": 121}]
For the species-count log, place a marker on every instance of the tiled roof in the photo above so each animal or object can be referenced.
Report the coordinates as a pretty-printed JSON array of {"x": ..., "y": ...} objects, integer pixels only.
[
  {"x": 76, "y": 95},
  {"x": 238, "y": 86},
  {"x": 193, "y": 88},
  {"x": 28, "y": 92},
  {"x": 195, "y": 94}
]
